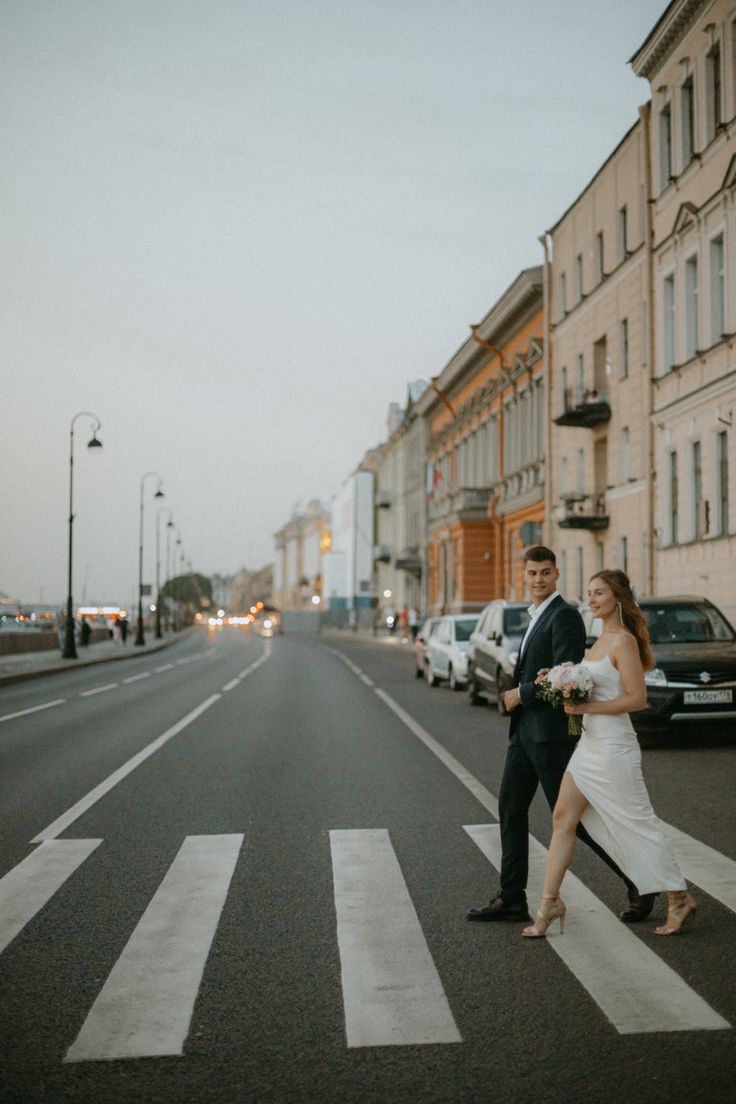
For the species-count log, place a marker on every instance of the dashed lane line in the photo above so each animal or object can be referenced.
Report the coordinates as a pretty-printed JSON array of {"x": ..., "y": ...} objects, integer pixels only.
[
  {"x": 99, "y": 689},
  {"x": 231, "y": 685},
  {"x": 164, "y": 667},
  {"x": 33, "y": 709},
  {"x": 137, "y": 678}
]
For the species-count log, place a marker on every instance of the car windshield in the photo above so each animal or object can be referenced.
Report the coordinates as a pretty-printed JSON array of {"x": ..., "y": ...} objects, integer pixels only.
[
  {"x": 515, "y": 621},
  {"x": 686, "y": 623},
  {"x": 463, "y": 629}
]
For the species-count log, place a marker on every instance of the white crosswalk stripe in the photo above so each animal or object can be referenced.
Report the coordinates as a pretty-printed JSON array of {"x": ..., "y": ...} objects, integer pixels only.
[
  {"x": 635, "y": 989},
  {"x": 392, "y": 993},
  {"x": 705, "y": 867},
  {"x": 30, "y": 885},
  {"x": 145, "y": 1007}
]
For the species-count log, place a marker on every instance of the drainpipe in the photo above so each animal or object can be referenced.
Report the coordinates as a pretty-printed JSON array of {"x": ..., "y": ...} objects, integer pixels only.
[
  {"x": 544, "y": 240},
  {"x": 644, "y": 115}
]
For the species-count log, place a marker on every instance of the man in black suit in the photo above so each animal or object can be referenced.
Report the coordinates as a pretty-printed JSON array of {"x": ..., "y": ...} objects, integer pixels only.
[{"x": 539, "y": 745}]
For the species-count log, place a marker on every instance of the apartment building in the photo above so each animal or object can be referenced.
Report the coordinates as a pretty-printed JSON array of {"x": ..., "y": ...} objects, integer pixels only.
[
  {"x": 485, "y": 446},
  {"x": 300, "y": 548},
  {"x": 599, "y": 483},
  {"x": 689, "y": 59}
]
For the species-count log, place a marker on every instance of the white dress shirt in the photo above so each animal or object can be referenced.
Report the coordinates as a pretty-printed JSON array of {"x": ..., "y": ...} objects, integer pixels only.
[{"x": 535, "y": 612}]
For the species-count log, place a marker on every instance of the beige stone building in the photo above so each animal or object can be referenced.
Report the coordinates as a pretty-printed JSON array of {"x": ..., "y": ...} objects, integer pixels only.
[
  {"x": 300, "y": 548},
  {"x": 689, "y": 59},
  {"x": 599, "y": 483}
]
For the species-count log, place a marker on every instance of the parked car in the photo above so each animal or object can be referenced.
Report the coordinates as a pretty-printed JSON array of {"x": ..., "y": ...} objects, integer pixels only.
[
  {"x": 694, "y": 677},
  {"x": 493, "y": 650},
  {"x": 447, "y": 650},
  {"x": 420, "y": 645}
]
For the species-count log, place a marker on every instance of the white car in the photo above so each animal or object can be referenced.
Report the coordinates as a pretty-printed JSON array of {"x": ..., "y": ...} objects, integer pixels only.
[{"x": 447, "y": 650}]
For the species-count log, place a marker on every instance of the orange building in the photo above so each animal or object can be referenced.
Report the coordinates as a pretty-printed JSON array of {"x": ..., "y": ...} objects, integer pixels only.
[{"x": 486, "y": 418}]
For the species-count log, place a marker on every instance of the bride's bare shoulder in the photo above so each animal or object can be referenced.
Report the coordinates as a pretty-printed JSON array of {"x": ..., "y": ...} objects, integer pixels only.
[{"x": 625, "y": 646}]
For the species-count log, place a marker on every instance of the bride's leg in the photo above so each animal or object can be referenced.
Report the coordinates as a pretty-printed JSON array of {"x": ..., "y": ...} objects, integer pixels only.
[{"x": 571, "y": 805}]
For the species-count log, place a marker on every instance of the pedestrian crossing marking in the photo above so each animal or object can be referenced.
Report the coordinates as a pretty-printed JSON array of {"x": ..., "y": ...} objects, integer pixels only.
[
  {"x": 26, "y": 888},
  {"x": 145, "y": 1006},
  {"x": 392, "y": 993},
  {"x": 631, "y": 985},
  {"x": 705, "y": 867}
]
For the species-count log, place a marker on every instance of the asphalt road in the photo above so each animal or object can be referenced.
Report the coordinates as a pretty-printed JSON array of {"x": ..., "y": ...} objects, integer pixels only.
[{"x": 238, "y": 871}]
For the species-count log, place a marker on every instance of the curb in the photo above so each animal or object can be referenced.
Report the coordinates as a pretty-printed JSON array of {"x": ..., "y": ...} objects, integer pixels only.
[{"x": 26, "y": 676}]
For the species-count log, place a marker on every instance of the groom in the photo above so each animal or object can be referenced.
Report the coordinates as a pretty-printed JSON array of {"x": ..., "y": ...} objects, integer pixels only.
[{"x": 539, "y": 746}]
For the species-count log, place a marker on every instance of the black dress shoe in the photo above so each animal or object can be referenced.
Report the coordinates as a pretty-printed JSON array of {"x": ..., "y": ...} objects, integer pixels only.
[
  {"x": 498, "y": 909},
  {"x": 640, "y": 907}
]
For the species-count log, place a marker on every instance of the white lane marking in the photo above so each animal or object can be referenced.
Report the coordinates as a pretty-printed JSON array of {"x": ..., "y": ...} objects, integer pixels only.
[
  {"x": 164, "y": 667},
  {"x": 99, "y": 689},
  {"x": 31, "y": 884},
  {"x": 62, "y": 823},
  {"x": 231, "y": 684},
  {"x": 137, "y": 678},
  {"x": 145, "y": 1006},
  {"x": 631, "y": 985},
  {"x": 368, "y": 681},
  {"x": 33, "y": 709},
  {"x": 707, "y": 868},
  {"x": 478, "y": 790},
  {"x": 392, "y": 993}
]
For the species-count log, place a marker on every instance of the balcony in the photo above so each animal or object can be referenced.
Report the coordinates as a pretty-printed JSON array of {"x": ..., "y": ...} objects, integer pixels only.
[
  {"x": 583, "y": 512},
  {"x": 381, "y": 553},
  {"x": 584, "y": 408},
  {"x": 409, "y": 560},
  {"x": 470, "y": 499},
  {"x": 383, "y": 500}
]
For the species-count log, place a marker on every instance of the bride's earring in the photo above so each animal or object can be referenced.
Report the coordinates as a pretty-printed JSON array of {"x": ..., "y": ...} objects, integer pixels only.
[{"x": 620, "y": 615}]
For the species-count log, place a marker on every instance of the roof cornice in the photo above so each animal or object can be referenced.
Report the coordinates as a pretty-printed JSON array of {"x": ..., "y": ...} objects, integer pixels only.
[{"x": 665, "y": 35}]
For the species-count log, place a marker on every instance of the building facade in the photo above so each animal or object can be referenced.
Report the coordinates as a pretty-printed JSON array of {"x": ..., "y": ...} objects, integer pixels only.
[
  {"x": 689, "y": 60},
  {"x": 300, "y": 548}
]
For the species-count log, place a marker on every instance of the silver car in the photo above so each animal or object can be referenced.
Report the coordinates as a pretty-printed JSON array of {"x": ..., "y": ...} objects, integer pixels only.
[
  {"x": 447, "y": 650},
  {"x": 493, "y": 650}
]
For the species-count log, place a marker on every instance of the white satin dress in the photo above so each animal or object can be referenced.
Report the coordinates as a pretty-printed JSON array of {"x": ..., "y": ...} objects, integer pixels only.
[{"x": 606, "y": 768}]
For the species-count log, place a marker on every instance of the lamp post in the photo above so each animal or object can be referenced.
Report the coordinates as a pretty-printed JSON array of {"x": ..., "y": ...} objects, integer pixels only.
[
  {"x": 70, "y": 651},
  {"x": 139, "y": 637},
  {"x": 169, "y": 523},
  {"x": 169, "y": 527}
]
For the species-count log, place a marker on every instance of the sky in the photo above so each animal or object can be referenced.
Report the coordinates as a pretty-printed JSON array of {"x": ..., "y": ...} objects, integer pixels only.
[{"x": 234, "y": 231}]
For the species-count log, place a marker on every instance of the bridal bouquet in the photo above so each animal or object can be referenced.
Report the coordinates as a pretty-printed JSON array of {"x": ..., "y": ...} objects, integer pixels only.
[{"x": 568, "y": 682}]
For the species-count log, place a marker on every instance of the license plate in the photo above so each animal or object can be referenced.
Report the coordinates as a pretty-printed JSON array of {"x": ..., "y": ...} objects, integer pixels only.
[{"x": 707, "y": 697}]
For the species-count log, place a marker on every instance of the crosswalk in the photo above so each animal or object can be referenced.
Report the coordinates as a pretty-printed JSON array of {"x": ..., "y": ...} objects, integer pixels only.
[{"x": 392, "y": 990}]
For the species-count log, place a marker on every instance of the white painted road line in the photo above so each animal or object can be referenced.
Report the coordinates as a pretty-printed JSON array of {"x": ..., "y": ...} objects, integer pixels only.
[
  {"x": 631, "y": 985},
  {"x": 62, "y": 823},
  {"x": 31, "y": 884},
  {"x": 137, "y": 678},
  {"x": 707, "y": 868},
  {"x": 231, "y": 684},
  {"x": 478, "y": 790},
  {"x": 145, "y": 1007},
  {"x": 368, "y": 681},
  {"x": 392, "y": 993},
  {"x": 33, "y": 709},
  {"x": 164, "y": 667},
  {"x": 98, "y": 690}
]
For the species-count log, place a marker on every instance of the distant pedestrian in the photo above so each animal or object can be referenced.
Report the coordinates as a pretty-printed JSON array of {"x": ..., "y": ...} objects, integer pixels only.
[
  {"x": 404, "y": 622},
  {"x": 413, "y": 622},
  {"x": 84, "y": 632},
  {"x": 123, "y": 622},
  {"x": 117, "y": 634}
]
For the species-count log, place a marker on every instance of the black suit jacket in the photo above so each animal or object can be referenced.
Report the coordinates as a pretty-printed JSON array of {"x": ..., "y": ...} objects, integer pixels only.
[{"x": 559, "y": 635}]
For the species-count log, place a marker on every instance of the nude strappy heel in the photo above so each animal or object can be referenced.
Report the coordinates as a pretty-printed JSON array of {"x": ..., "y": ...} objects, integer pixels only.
[{"x": 545, "y": 916}]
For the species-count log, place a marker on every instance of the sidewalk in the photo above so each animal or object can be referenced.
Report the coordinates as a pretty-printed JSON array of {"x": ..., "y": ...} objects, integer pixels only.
[{"x": 31, "y": 665}]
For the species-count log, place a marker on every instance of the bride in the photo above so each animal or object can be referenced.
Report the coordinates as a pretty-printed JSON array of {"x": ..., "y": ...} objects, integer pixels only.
[{"x": 603, "y": 786}]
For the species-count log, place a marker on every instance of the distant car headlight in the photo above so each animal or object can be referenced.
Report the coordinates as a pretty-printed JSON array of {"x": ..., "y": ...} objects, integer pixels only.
[
  {"x": 513, "y": 656},
  {"x": 655, "y": 677}
]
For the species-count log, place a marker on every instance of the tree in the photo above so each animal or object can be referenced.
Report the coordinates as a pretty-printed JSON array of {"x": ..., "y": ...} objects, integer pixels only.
[{"x": 189, "y": 589}]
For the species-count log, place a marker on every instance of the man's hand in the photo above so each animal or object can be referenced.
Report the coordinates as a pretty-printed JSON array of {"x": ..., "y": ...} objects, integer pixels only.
[{"x": 512, "y": 699}]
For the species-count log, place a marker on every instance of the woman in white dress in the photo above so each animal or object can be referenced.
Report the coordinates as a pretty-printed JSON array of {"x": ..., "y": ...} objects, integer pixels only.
[{"x": 603, "y": 786}]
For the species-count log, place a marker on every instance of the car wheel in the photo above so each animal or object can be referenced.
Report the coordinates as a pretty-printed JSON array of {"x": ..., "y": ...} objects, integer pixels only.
[
  {"x": 430, "y": 676},
  {"x": 474, "y": 691},
  {"x": 454, "y": 684}
]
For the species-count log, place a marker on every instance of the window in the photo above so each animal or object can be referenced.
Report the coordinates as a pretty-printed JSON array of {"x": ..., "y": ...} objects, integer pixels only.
[
  {"x": 563, "y": 296},
  {"x": 698, "y": 526},
  {"x": 578, "y": 277},
  {"x": 668, "y": 322},
  {"x": 717, "y": 290},
  {"x": 562, "y": 564},
  {"x": 713, "y": 109},
  {"x": 625, "y": 554},
  {"x": 564, "y": 476},
  {"x": 691, "y": 307},
  {"x": 599, "y": 267},
  {"x": 625, "y": 455},
  {"x": 623, "y": 234},
  {"x": 566, "y": 403},
  {"x": 665, "y": 147},
  {"x": 722, "y": 471},
  {"x": 687, "y": 119},
  {"x": 581, "y": 472},
  {"x": 674, "y": 516},
  {"x": 580, "y": 381},
  {"x": 624, "y": 348},
  {"x": 579, "y": 572}
]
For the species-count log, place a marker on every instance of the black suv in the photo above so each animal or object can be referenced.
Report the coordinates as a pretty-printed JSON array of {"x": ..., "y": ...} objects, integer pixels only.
[{"x": 694, "y": 678}]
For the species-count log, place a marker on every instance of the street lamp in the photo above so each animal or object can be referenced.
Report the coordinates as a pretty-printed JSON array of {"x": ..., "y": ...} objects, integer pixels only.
[
  {"x": 169, "y": 575},
  {"x": 169, "y": 525},
  {"x": 70, "y": 651},
  {"x": 139, "y": 637}
]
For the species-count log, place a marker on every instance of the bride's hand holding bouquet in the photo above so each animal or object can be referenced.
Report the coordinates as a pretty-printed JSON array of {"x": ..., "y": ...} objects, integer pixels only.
[{"x": 567, "y": 686}]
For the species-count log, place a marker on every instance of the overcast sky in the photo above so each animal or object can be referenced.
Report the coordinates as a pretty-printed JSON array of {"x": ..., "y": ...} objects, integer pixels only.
[{"x": 234, "y": 231}]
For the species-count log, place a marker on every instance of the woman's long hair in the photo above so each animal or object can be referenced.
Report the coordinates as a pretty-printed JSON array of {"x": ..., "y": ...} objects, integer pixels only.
[{"x": 631, "y": 616}]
